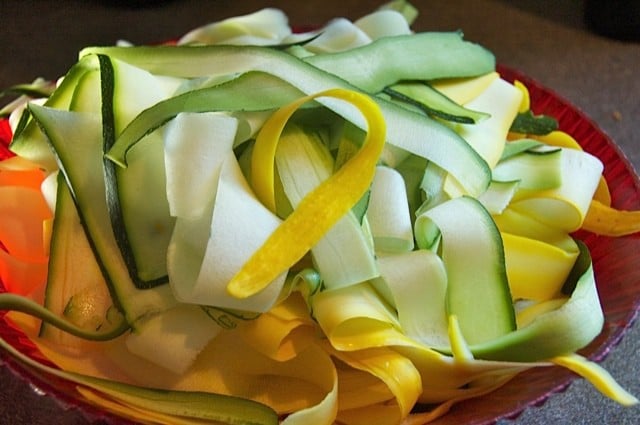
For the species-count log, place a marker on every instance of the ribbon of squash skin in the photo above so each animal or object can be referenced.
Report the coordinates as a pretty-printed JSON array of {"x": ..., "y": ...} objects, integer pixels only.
[
  {"x": 186, "y": 405},
  {"x": 397, "y": 372},
  {"x": 607, "y": 221},
  {"x": 252, "y": 372},
  {"x": 321, "y": 208},
  {"x": 599, "y": 377},
  {"x": 601, "y": 217}
]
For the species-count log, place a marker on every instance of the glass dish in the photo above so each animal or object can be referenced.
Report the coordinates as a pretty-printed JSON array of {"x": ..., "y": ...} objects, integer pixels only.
[{"x": 616, "y": 267}]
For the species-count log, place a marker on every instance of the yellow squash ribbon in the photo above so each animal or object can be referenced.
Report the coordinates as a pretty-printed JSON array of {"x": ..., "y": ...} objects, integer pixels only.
[{"x": 321, "y": 208}]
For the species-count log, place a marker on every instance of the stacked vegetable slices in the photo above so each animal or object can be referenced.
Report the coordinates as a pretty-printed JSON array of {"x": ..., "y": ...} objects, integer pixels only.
[{"x": 316, "y": 213}]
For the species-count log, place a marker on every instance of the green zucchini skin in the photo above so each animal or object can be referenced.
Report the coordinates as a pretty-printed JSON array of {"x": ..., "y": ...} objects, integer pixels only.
[
  {"x": 408, "y": 130},
  {"x": 136, "y": 202},
  {"x": 433, "y": 103},
  {"x": 76, "y": 287},
  {"x": 565, "y": 330},
  {"x": 478, "y": 289},
  {"x": 79, "y": 135},
  {"x": 30, "y": 142},
  {"x": 389, "y": 60},
  {"x": 91, "y": 129},
  {"x": 371, "y": 67}
]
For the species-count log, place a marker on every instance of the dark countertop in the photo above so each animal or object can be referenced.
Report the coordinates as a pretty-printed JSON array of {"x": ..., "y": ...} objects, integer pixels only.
[{"x": 547, "y": 40}]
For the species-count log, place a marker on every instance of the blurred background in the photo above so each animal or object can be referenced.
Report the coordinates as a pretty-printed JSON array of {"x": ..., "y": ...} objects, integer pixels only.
[{"x": 44, "y": 35}]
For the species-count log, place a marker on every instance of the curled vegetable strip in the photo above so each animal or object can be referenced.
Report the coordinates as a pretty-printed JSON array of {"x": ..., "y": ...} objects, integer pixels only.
[
  {"x": 415, "y": 283},
  {"x": 225, "y": 238},
  {"x": 283, "y": 332},
  {"x": 605, "y": 220},
  {"x": 384, "y": 23},
  {"x": 464, "y": 90},
  {"x": 395, "y": 370},
  {"x": 523, "y": 257},
  {"x": 344, "y": 255},
  {"x": 265, "y": 27},
  {"x": 600, "y": 217},
  {"x": 321, "y": 208},
  {"x": 193, "y": 155},
  {"x": 183, "y": 404},
  {"x": 501, "y": 100},
  {"x": 565, "y": 206},
  {"x": 337, "y": 36},
  {"x": 599, "y": 377},
  {"x": 388, "y": 212}
]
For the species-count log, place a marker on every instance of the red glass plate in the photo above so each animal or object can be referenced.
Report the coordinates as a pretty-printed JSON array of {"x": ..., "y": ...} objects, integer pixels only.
[{"x": 617, "y": 274}]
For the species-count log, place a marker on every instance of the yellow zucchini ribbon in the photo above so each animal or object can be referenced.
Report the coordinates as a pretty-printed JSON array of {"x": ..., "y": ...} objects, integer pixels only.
[{"x": 321, "y": 208}]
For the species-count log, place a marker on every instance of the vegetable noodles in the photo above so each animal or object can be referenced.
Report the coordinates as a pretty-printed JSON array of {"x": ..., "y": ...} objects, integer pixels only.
[{"x": 252, "y": 225}]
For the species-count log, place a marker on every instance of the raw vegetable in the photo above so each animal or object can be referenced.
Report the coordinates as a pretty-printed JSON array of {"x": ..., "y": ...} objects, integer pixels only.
[
  {"x": 319, "y": 210},
  {"x": 277, "y": 232}
]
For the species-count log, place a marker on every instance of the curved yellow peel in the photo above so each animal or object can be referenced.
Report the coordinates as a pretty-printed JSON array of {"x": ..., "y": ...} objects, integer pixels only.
[
  {"x": 321, "y": 208},
  {"x": 607, "y": 221},
  {"x": 559, "y": 139},
  {"x": 525, "y": 103},
  {"x": 597, "y": 376},
  {"x": 459, "y": 347}
]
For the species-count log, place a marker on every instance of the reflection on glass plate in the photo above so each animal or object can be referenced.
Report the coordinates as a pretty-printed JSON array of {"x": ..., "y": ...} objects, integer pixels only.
[{"x": 616, "y": 267}]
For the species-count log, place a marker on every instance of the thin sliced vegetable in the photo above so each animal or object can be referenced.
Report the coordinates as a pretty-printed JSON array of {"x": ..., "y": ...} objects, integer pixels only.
[
  {"x": 472, "y": 252},
  {"x": 176, "y": 336},
  {"x": 345, "y": 254},
  {"x": 205, "y": 253},
  {"x": 525, "y": 105},
  {"x": 434, "y": 103},
  {"x": 142, "y": 224},
  {"x": 408, "y": 11},
  {"x": 415, "y": 284},
  {"x": 76, "y": 134},
  {"x": 395, "y": 370},
  {"x": 31, "y": 142},
  {"x": 564, "y": 206},
  {"x": 599, "y": 377},
  {"x": 516, "y": 147},
  {"x": 189, "y": 404},
  {"x": 527, "y": 279},
  {"x": 195, "y": 145},
  {"x": 498, "y": 195},
  {"x": 608, "y": 221},
  {"x": 384, "y": 23},
  {"x": 339, "y": 35},
  {"x": 319, "y": 210},
  {"x": 408, "y": 131},
  {"x": 281, "y": 188},
  {"x": 76, "y": 287},
  {"x": 533, "y": 169},
  {"x": 388, "y": 212},
  {"x": 500, "y": 100},
  {"x": 380, "y": 64},
  {"x": 464, "y": 90},
  {"x": 268, "y": 26},
  {"x": 573, "y": 325}
]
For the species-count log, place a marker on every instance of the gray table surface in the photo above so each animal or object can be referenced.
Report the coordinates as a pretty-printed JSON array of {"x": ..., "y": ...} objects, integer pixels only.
[{"x": 547, "y": 40}]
